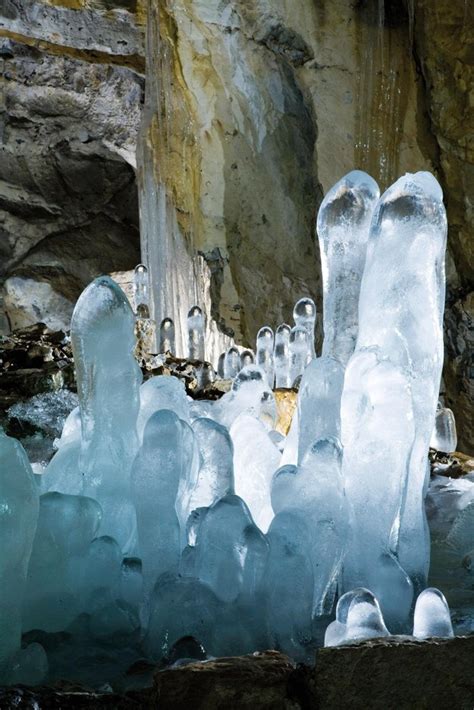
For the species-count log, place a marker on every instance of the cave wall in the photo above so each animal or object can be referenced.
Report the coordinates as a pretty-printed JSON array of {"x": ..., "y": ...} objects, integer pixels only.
[{"x": 267, "y": 103}]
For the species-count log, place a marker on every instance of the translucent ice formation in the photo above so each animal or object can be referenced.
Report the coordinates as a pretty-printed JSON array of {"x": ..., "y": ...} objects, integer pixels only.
[
  {"x": 444, "y": 437},
  {"x": 401, "y": 312},
  {"x": 246, "y": 358},
  {"x": 343, "y": 230},
  {"x": 319, "y": 403},
  {"x": 196, "y": 334},
  {"x": 156, "y": 474},
  {"x": 167, "y": 336},
  {"x": 18, "y": 519},
  {"x": 300, "y": 352},
  {"x": 304, "y": 314},
  {"x": 216, "y": 470},
  {"x": 432, "y": 617},
  {"x": 250, "y": 393},
  {"x": 282, "y": 356},
  {"x": 141, "y": 287},
  {"x": 108, "y": 380},
  {"x": 231, "y": 363},
  {"x": 256, "y": 458},
  {"x": 264, "y": 359},
  {"x": 358, "y": 617}
]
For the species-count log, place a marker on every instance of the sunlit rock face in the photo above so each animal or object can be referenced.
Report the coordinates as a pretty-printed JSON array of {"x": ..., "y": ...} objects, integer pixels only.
[{"x": 272, "y": 102}]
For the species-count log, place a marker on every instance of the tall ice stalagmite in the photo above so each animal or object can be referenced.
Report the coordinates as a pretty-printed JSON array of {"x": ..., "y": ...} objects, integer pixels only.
[{"x": 343, "y": 229}]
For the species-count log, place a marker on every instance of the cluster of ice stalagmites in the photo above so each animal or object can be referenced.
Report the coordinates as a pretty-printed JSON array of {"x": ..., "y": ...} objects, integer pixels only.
[{"x": 164, "y": 517}]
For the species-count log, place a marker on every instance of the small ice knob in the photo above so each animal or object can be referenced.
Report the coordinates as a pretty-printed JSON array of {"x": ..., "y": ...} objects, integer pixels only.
[
  {"x": 246, "y": 358},
  {"x": 304, "y": 314},
  {"x": 432, "y": 616},
  {"x": 358, "y": 617},
  {"x": 167, "y": 337},
  {"x": 444, "y": 437},
  {"x": 299, "y": 352},
  {"x": 231, "y": 363},
  {"x": 196, "y": 333},
  {"x": 141, "y": 287},
  {"x": 265, "y": 343}
]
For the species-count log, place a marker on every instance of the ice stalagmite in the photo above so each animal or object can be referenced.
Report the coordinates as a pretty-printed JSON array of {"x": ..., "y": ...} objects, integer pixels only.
[
  {"x": 18, "y": 518},
  {"x": 401, "y": 312},
  {"x": 246, "y": 358},
  {"x": 432, "y": 617},
  {"x": 256, "y": 458},
  {"x": 378, "y": 434},
  {"x": 358, "y": 617},
  {"x": 108, "y": 380},
  {"x": 444, "y": 437},
  {"x": 141, "y": 287},
  {"x": 343, "y": 230},
  {"x": 300, "y": 352},
  {"x": 216, "y": 470},
  {"x": 167, "y": 336},
  {"x": 282, "y": 356},
  {"x": 264, "y": 359},
  {"x": 156, "y": 475},
  {"x": 161, "y": 392},
  {"x": 231, "y": 363},
  {"x": 304, "y": 314},
  {"x": 195, "y": 334},
  {"x": 314, "y": 490},
  {"x": 319, "y": 403}
]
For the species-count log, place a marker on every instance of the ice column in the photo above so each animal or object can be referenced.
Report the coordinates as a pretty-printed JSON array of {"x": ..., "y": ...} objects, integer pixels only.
[
  {"x": 265, "y": 342},
  {"x": 18, "y": 518},
  {"x": 304, "y": 314},
  {"x": 401, "y": 311},
  {"x": 196, "y": 334},
  {"x": 282, "y": 356},
  {"x": 108, "y": 380},
  {"x": 343, "y": 229}
]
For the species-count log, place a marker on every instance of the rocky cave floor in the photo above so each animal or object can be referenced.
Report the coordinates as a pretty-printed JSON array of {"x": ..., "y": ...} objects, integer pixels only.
[{"x": 391, "y": 673}]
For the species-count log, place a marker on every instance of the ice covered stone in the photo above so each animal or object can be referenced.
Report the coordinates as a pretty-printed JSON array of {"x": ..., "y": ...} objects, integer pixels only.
[
  {"x": 300, "y": 352},
  {"x": 432, "y": 617},
  {"x": 444, "y": 437},
  {"x": 156, "y": 474},
  {"x": 216, "y": 471},
  {"x": 401, "y": 311},
  {"x": 231, "y": 363},
  {"x": 343, "y": 230},
  {"x": 18, "y": 519},
  {"x": 304, "y": 314},
  {"x": 264, "y": 359},
  {"x": 282, "y": 356},
  {"x": 167, "y": 336},
  {"x": 196, "y": 334},
  {"x": 256, "y": 458},
  {"x": 319, "y": 402}
]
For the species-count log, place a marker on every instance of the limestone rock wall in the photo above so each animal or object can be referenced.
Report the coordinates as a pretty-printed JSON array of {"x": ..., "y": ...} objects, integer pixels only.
[{"x": 260, "y": 105}]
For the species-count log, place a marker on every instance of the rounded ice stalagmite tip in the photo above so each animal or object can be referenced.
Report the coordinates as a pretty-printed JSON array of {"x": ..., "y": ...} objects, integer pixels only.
[
  {"x": 246, "y": 358},
  {"x": 432, "y": 617}
]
